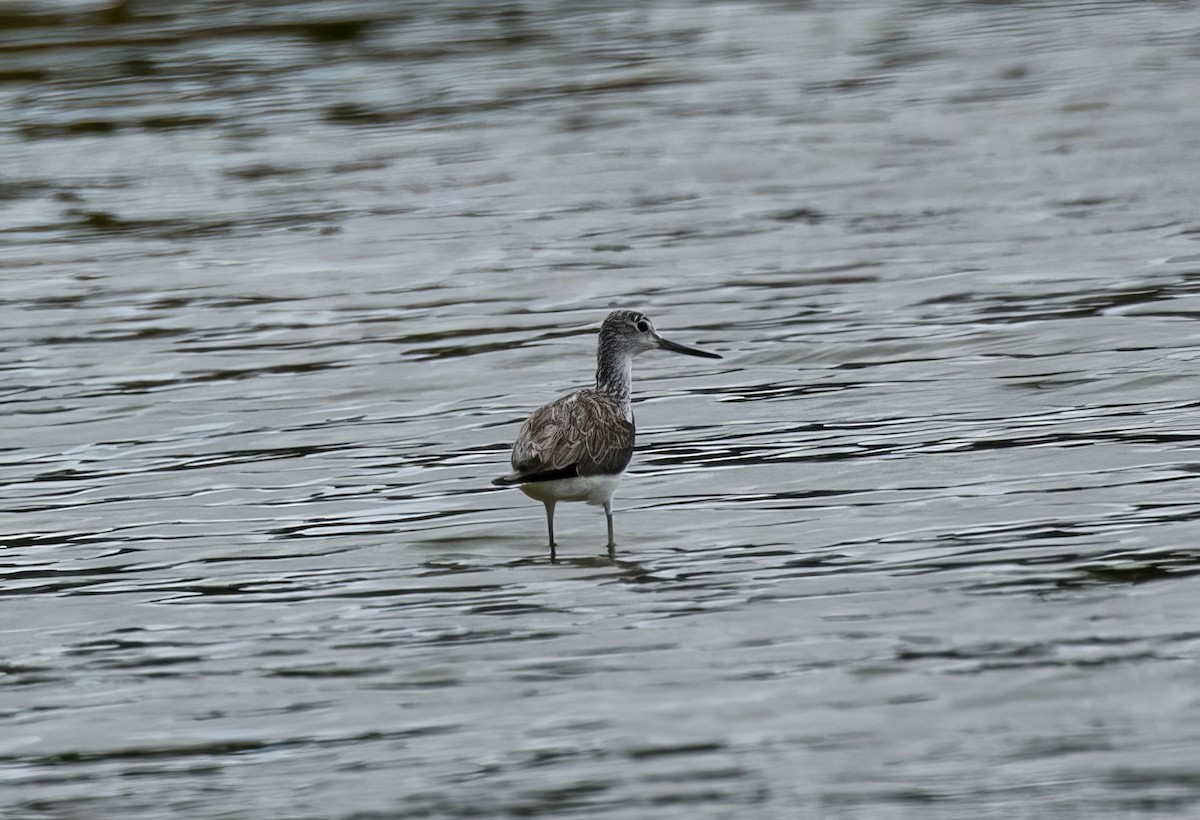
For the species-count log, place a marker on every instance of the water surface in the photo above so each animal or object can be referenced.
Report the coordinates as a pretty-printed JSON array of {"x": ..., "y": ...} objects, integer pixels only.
[{"x": 281, "y": 281}]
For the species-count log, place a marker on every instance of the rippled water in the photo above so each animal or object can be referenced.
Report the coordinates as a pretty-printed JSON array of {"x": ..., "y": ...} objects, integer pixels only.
[{"x": 281, "y": 280}]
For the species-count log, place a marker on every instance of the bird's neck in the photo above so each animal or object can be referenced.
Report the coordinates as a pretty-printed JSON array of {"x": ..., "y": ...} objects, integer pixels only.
[{"x": 613, "y": 374}]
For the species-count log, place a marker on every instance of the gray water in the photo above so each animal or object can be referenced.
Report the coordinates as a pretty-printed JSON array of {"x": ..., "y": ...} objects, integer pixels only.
[{"x": 282, "y": 279}]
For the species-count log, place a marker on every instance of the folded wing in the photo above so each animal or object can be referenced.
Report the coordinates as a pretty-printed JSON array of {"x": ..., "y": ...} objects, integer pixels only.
[{"x": 585, "y": 433}]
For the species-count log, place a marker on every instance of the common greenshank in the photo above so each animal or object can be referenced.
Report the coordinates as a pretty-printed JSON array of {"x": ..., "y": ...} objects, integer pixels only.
[{"x": 576, "y": 447}]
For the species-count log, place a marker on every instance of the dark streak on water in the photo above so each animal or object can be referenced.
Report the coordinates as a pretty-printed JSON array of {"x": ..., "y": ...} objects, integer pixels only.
[{"x": 281, "y": 279}]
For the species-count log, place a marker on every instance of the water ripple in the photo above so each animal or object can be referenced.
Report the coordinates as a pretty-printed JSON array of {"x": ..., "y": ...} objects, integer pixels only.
[{"x": 283, "y": 279}]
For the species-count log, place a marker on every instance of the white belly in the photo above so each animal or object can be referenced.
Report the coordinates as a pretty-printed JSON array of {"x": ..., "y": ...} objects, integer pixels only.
[{"x": 594, "y": 489}]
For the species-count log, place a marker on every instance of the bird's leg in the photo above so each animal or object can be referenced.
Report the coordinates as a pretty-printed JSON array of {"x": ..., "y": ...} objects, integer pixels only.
[
  {"x": 608, "y": 516},
  {"x": 550, "y": 527}
]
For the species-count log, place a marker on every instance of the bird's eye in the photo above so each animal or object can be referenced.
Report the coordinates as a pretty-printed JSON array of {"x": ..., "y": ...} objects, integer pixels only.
[{"x": 643, "y": 326}]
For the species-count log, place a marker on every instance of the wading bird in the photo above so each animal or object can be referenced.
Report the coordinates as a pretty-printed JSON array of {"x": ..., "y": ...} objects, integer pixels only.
[{"x": 576, "y": 447}]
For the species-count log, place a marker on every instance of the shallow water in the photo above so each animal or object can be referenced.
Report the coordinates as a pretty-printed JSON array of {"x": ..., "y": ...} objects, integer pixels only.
[{"x": 281, "y": 282}]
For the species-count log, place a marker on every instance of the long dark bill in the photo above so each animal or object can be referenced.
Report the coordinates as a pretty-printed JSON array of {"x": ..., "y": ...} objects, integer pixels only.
[{"x": 676, "y": 347}]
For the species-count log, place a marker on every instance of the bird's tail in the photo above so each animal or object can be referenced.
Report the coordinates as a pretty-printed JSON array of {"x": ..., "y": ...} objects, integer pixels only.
[{"x": 570, "y": 471}]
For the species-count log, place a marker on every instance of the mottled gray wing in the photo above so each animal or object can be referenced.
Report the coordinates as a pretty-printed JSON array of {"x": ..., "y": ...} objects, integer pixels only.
[{"x": 586, "y": 431}]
